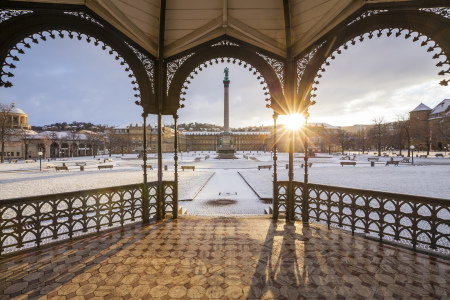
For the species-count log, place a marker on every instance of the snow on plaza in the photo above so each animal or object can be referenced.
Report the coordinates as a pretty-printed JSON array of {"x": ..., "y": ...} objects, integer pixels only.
[{"x": 217, "y": 187}]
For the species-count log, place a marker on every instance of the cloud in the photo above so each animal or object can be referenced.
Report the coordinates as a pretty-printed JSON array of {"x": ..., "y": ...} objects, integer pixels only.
[{"x": 68, "y": 80}]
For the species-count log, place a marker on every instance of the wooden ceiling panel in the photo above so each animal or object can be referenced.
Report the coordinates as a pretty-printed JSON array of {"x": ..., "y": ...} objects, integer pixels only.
[
  {"x": 190, "y": 22},
  {"x": 184, "y": 24},
  {"x": 192, "y": 14},
  {"x": 194, "y": 5},
  {"x": 255, "y": 4}
]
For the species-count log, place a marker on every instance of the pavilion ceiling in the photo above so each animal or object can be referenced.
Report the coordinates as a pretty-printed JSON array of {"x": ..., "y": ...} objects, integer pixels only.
[{"x": 192, "y": 22}]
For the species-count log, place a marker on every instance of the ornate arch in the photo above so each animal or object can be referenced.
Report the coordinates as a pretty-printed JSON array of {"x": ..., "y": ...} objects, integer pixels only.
[
  {"x": 21, "y": 29},
  {"x": 269, "y": 71},
  {"x": 412, "y": 24}
]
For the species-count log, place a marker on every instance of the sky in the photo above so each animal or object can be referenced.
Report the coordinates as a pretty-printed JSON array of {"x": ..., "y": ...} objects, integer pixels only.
[{"x": 65, "y": 80}]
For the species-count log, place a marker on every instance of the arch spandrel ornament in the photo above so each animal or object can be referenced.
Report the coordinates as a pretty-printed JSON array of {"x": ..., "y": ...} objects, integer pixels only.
[
  {"x": 433, "y": 24},
  {"x": 268, "y": 70},
  {"x": 21, "y": 29}
]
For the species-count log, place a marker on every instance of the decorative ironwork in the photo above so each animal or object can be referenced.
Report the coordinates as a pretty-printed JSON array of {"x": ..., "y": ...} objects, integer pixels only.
[
  {"x": 415, "y": 36},
  {"x": 169, "y": 197},
  {"x": 83, "y": 15},
  {"x": 277, "y": 66},
  {"x": 303, "y": 62},
  {"x": 224, "y": 43},
  {"x": 34, "y": 221},
  {"x": 6, "y": 14},
  {"x": 148, "y": 64},
  {"x": 412, "y": 220},
  {"x": 442, "y": 11},
  {"x": 173, "y": 66},
  {"x": 223, "y": 60},
  {"x": 26, "y": 42},
  {"x": 366, "y": 14}
]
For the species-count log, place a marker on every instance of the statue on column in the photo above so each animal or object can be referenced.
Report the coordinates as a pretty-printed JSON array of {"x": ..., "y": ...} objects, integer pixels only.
[{"x": 226, "y": 71}]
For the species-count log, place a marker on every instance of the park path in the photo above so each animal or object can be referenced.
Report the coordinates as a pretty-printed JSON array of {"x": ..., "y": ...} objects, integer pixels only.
[{"x": 236, "y": 197}]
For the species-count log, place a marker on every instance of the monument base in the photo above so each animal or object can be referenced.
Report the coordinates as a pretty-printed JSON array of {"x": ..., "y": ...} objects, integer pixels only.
[{"x": 226, "y": 152}]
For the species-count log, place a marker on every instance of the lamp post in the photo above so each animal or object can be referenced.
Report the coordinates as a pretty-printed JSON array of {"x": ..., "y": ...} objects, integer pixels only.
[
  {"x": 40, "y": 161},
  {"x": 445, "y": 151},
  {"x": 412, "y": 153}
]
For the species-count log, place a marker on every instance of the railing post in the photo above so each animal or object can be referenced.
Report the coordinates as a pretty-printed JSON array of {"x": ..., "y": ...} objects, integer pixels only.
[
  {"x": 145, "y": 203},
  {"x": 276, "y": 200},
  {"x": 175, "y": 185}
]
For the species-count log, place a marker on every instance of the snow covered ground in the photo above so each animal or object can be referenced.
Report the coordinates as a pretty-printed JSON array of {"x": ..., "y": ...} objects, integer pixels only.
[
  {"x": 428, "y": 177},
  {"x": 226, "y": 193}
]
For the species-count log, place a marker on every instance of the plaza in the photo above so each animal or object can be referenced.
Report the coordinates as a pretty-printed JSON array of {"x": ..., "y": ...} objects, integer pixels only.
[{"x": 278, "y": 223}]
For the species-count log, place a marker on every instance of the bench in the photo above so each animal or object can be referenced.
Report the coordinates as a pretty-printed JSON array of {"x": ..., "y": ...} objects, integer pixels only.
[
  {"x": 400, "y": 155},
  {"x": 61, "y": 168},
  {"x": 349, "y": 163},
  {"x": 405, "y": 160},
  {"x": 373, "y": 159},
  {"x": 395, "y": 163},
  {"x": 265, "y": 167},
  {"x": 188, "y": 168},
  {"x": 105, "y": 167},
  {"x": 29, "y": 161},
  {"x": 65, "y": 159},
  {"x": 80, "y": 164},
  {"x": 423, "y": 156},
  {"x": 50, "y": 166},
  {"x": 386, "y": 155},
  {"x": 303, "y": 164},
  {"x": 148, "y": 167},
  {"x": 345, "y": 157},
  {"x": 439, "y": 155},
  {"x": 15, "y": 160}
]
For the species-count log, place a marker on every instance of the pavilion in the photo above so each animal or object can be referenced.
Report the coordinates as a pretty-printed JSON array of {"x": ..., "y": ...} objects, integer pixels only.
[{"x": 163, "y": 45}]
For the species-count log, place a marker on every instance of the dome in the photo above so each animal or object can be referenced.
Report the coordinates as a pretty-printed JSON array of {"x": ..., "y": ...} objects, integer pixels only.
[{"x": 15, "y": 110}]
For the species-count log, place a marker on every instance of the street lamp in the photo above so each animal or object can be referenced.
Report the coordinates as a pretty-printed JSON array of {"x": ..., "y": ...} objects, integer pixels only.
[
  {"x": 412, "y": 153},
  {"x": 40, "y": 161}
]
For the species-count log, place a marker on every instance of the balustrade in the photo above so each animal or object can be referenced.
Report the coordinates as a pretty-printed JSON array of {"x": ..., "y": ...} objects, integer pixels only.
[
  {"x": 408, "y": 219},
  {"x": 33, "y": 221}
]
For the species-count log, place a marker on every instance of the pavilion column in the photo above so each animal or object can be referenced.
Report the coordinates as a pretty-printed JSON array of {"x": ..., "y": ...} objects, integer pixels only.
[
  {"x": 276, "y": 201},
  {"x": 145, "y": 200},
  {"x": 175, "y": 191},
  {"x": 160, "y": 200},
  {"x": 160, "y": 91},
  {"x": 305, "y": 192},
  {"x": 289, "y": 94}
]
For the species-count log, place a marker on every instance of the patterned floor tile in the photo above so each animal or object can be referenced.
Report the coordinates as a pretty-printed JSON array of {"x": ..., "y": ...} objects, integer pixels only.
[{"x": 224, "y": 258}]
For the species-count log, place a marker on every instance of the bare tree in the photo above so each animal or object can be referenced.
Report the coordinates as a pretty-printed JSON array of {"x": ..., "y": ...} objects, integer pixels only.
[
  {"x": 5, "y": 127},
  {"x": 73, "y": 138},
  {"x": 95, "y": 140},
  {"x": 378, "y": 133},
  {"x": 361, "y": 138},
  {"x": 402, "y": 132}
]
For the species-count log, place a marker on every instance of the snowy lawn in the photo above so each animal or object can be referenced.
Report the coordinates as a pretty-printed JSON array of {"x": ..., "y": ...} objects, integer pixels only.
[
  {"x": 32, "y": 183},
  {"x": 425, "y": 180}
]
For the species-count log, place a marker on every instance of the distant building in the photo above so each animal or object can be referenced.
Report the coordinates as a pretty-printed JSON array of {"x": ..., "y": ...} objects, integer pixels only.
[
  {"x": 430, "y": 128},
  {"x": 16, "y": 145},
  {"x": 134, "y": 134}
]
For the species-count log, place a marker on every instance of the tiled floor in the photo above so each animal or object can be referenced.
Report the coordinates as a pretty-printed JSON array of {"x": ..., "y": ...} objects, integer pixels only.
[{"x": 224, "y": 258}]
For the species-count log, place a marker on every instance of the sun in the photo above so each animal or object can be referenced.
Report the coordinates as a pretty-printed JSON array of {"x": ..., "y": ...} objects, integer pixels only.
[{"x": 293, "y": 121}]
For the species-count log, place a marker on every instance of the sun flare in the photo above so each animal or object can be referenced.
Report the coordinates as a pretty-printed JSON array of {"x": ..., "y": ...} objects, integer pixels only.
[{"x": 294, "y": 121}]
